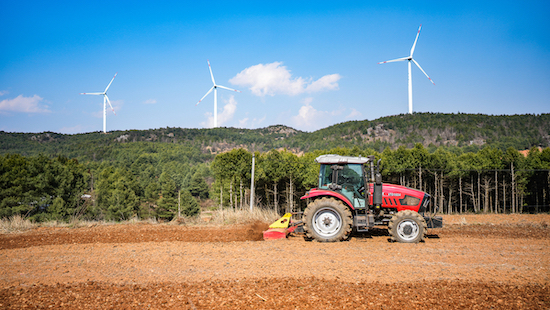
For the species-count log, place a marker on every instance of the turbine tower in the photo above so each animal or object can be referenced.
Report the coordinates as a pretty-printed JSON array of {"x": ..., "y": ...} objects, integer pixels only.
[
  {"x": 409, "y": 59},
  {"x": 105, "y": 100},
  {"x": 215, "y": 88}
]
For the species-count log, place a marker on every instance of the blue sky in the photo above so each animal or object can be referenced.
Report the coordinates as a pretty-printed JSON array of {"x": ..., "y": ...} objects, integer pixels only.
[{"x": 304, "y": 64}]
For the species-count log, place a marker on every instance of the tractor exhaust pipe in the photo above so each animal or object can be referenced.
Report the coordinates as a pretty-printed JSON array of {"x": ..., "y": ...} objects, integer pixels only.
[{"x": 376, "y": 178}]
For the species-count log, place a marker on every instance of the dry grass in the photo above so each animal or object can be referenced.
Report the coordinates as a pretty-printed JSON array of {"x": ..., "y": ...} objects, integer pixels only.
[
  {"x": 230, "y": 217},
  {"x": 17, "y": 224}
]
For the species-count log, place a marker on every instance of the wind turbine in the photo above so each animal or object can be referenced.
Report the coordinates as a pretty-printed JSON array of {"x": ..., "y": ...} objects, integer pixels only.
[
  {"x": 105, "y": 100},
  {"x": 410, "y": 58},
  {"x": 215, "y": 88}
]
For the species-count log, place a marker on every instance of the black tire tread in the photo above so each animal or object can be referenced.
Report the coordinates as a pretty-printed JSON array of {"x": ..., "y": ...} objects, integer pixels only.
[
  {"x": 407, "y": 214},
  {"x": 345, "y": 213}
]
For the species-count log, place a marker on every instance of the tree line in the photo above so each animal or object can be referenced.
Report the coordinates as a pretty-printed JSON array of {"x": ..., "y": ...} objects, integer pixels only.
[
  {"x": 162, "y": 181},
  {"x": 486, "y": 181},
  {"x": 140, "y": 180}
]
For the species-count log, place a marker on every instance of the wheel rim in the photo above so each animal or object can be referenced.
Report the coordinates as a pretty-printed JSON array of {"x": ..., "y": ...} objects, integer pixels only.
[
  {"x": 327, "y": 222},
  {"x": 408, "y": 230}
]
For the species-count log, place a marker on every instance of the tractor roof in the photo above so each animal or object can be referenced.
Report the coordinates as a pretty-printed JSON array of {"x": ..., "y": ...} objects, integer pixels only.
[{"x": 338, "y": 159}]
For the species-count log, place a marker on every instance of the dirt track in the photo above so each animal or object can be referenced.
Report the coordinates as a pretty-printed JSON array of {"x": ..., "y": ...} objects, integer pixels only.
[{"x": 476, "y": 261}]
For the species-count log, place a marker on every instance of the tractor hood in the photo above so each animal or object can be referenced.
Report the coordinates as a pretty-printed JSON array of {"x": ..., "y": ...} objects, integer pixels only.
[
  {"x": 403, "y": 198},
  {"x": 393, "y": 196}
]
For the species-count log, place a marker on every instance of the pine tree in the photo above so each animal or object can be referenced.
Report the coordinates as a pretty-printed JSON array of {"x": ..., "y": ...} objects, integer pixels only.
[
  {"x": 198, "y": 187},
  {"x": 167, "y": 205},
  {"x": 189, "y": 205}
]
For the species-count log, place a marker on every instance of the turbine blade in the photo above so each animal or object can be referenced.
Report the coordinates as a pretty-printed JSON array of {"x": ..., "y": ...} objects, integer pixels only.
[
  {"x": 205, "y": 95},
  {"x": 91, "y": 93},
  {"x": 211, "y": 75},
  {"x": 110, "y": 82},
  {"x": 231, "y": 89},
  {"x": 414, "y": 45},
  {"x": 419, "y": 67},
  {"x": 394, "y": 60},
  {"x": 109, "y": 103}
]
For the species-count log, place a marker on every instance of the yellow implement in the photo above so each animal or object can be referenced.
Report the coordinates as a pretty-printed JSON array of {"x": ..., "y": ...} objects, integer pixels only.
[
  {"x": 282, "y": 222},
  {"x": 280, "y": 229}
]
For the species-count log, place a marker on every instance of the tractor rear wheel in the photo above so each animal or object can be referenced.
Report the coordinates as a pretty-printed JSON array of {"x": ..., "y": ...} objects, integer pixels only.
[
  {"x": 407, "y": 227},
  {"x": 327, "y": 220}
]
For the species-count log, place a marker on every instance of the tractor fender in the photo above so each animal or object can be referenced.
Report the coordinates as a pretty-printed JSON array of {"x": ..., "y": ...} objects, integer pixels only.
[{"x": 312, "y": 193}]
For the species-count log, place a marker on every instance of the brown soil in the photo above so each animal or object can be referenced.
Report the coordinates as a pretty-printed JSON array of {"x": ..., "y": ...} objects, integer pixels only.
[{"x": 489, "y": 261}]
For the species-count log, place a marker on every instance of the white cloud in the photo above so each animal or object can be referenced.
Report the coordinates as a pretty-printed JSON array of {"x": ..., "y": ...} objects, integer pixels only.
[
  {"x": 243, "y": 122},
  {"x": 150, "y": 101},
  {"x": 354, "y": 114},
  {"x": 251, "y": 123},
  {"x": 4, "y": 92},
  {"x": 309, "y": 118},
  {"x": 223, "y": 117},
  {"x": 24, "y": 104},
  {"x": 327, "y": 82},
  {"x": 271, "y": 79}
]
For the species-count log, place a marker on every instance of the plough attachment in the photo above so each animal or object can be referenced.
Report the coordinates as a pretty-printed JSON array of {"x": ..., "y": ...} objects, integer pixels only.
[{"x": 281, "y": 228}]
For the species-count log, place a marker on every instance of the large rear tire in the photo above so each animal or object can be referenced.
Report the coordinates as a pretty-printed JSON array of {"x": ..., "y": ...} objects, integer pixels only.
[
  {"x": 327, "y": 220},
  {"x": 407, "y": 227}
]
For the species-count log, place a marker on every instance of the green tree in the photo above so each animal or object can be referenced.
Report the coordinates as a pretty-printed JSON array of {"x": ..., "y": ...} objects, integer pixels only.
[
  {"x": 198, "y": 186},
  {"x": 116, "y": 194},
  {"x": 152, "y": 192},
  {"x": 167, "y": 204},
  {"x": 56, "y": 209},
  {"x": 15, "y": 185},
  {"x": 272, "y": 170},
  {"x": 189, "y": 205},
  {"x": 28, "y": 186},
  {"x": 230, "y": 170}
]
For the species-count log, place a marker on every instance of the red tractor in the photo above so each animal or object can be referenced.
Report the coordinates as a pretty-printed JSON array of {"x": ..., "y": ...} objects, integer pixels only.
[{"x": 351, "y": 196}]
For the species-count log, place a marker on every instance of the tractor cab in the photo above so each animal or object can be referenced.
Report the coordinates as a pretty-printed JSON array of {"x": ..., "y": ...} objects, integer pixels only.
[{"x": 346, "y": 177}]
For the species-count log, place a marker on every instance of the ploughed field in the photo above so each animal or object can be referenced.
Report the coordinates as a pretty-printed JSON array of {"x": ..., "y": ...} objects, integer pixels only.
[{"x": 475, "y": 261}]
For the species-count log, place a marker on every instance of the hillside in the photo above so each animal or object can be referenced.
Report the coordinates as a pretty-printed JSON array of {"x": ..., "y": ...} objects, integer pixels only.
[
  {"x": 470, "y": 131},
  {"x": 145, "y": 173},
  {"x": 98, "y": 146},
  {"x": 434, "y": 129}
]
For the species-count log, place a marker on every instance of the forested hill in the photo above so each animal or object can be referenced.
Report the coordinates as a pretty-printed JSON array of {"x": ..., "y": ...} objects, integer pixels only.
[
  {"x": 147, "y": 173},
  {"x": 473, "y": 131},
  {"x": 98, "y": 146},
  {"x": 470, "y": 131}
]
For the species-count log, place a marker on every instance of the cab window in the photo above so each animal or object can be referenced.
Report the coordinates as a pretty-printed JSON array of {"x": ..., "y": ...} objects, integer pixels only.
[
  {"x": 325, "y": 176},
  {"x": 351, "y": 179}
]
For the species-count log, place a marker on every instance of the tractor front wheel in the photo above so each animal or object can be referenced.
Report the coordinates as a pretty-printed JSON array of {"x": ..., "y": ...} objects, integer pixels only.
[
  {"x": 407, "y": 227},
  {"x": 327, "y": 220}
]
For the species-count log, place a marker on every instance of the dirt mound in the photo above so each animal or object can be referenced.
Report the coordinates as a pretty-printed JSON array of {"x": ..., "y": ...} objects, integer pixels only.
[
  {"x": 132, "y": 234},
  {"x": 281, "y": 293},
  {"x": 256, "y": 231}
]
